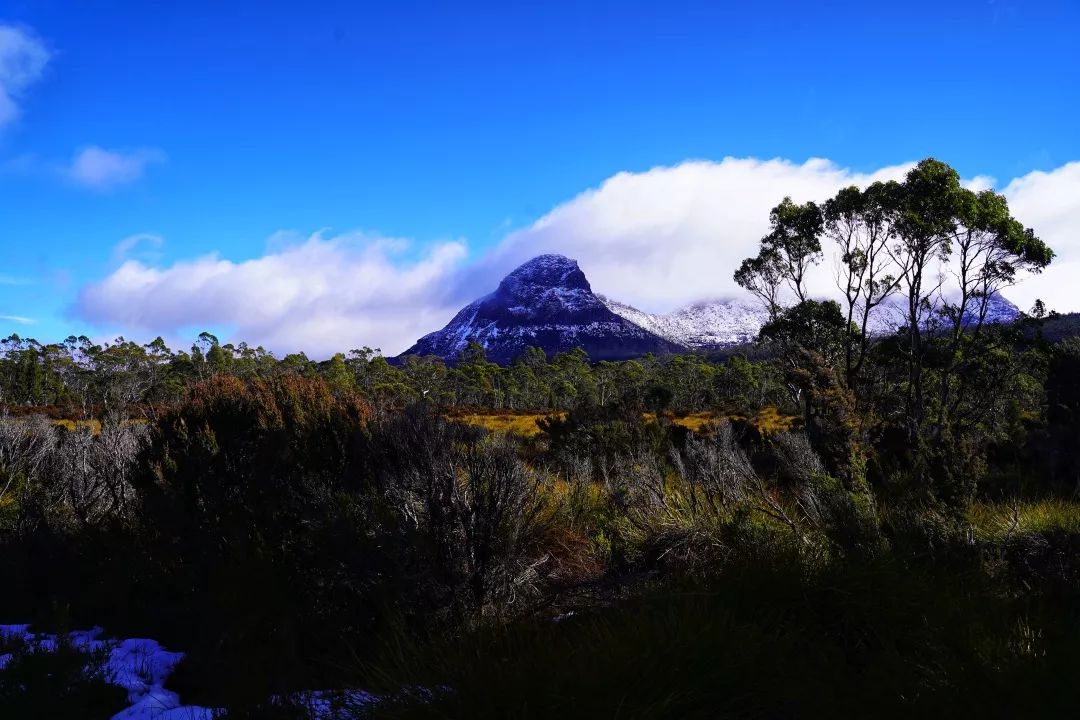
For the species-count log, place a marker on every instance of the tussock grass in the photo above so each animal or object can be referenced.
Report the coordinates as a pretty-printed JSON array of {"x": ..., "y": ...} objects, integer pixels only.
[
  {"x": 994, "y": 522},
  {"x": 770, "y": 421}
]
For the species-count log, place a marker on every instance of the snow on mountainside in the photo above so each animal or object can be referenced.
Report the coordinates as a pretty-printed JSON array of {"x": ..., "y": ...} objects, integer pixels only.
[
  {"x": 724, "y": 323},
  {"x": 718, "y": 323},
  {"x": 547, "y": 303},
  {"x": 889, "y": 316}
]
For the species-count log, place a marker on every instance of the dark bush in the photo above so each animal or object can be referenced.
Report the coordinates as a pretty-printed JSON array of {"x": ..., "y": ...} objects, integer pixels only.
[{"x": 56, "y": 682}]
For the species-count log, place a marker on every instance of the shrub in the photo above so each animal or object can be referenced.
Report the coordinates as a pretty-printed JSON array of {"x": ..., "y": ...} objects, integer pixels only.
[
  {"x": 262, "y": 561},
  {"x": 467, "y": 508}
]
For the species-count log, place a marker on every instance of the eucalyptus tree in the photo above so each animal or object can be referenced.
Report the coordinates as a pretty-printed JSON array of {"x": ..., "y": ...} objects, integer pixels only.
[
  {"x": 861, "y": 225},
  {"x": 943, "y": 226},
  {"x": 786, "y": 254},
  {"x": 905, "y": 238},
  {"x": 924, "y": 230},
  {"x": 990, "y": 250}
]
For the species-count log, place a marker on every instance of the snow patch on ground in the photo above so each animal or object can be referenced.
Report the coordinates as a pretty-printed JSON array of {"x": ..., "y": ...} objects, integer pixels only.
[
  {"x": 141, "y": 666},
  {"x": 138, "y": 665}
]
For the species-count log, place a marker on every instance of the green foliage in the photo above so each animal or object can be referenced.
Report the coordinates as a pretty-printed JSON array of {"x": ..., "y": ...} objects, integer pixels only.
[
  {"x": 603, "y": 437},
  {"x": 927, "y": 402},
  {"x": 790, "y": 249},
  {"x": 811, "y": 326}
]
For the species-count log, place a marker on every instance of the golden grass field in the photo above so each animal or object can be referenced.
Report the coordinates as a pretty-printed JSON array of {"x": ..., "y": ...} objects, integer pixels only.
[
  {"x": 523, "y": 424},
  {"x": 93, "y": 425},
  {"x": 768, "y": 420}
]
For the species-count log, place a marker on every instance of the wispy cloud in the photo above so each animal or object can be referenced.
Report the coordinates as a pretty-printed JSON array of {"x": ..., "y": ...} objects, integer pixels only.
[
  {"x": 126, "y": 247},
  {"x": 18, "y": 319},
  {"x": 23, "y": 58},
  {"x": 12, "y": 280},
  {"x": 96, "y": 168}
]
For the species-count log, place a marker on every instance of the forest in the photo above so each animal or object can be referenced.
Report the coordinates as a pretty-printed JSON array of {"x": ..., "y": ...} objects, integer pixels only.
[{"x": 853, "y": 525}]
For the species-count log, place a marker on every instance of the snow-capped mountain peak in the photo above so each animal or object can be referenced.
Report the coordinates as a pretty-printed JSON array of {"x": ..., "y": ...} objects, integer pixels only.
[
  {"x": 548, "y": 303},
  {"x": 549, "y": 271}
]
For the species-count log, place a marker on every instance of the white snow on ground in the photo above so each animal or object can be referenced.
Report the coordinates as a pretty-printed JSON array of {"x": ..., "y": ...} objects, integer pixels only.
[
  {"x": 138, "y": 665},
  {"x": 141, "y": 667}
]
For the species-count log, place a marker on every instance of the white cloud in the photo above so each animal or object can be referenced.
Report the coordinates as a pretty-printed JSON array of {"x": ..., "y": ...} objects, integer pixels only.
[
  {"x": 980, "y": 183},
  {"x": 100, "y": 169},
  {"x": 321, "y": 295},
  {"x": 672, "y": 235},
  {"x": 1049, "y": 203},
  {"x": 18, "y": 319},
  {"x": 657, "y": 239},
  {"x": 22, "y": 60}
]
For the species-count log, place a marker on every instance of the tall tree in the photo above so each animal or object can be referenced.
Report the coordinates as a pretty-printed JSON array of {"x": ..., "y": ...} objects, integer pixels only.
[
  {"x": 786, "y": 254},
  {"x": 924, "y": 229},
  {"x": 860, "y": 223}
]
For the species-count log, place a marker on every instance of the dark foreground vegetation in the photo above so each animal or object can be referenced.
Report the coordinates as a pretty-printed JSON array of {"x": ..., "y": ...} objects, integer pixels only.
[{"x": 908, "y": 546}]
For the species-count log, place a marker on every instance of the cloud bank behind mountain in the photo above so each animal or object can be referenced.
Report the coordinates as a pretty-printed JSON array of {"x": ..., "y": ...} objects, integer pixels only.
[{"x": 656, "y": 239}]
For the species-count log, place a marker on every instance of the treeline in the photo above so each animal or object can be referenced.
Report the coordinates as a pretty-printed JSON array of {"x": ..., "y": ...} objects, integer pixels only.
[{"x": 82, "y": 379}]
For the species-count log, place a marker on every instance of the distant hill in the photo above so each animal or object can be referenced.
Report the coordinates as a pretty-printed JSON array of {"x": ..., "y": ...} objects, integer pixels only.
[
  {"x": 720, "y": 324},
  {"x": 1061, "y": 327}
]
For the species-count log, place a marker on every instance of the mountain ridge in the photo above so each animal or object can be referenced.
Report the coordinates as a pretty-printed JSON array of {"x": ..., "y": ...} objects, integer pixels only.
[
  {"x": 549, "y": 303},
  {"x": 718, "y": 324}
]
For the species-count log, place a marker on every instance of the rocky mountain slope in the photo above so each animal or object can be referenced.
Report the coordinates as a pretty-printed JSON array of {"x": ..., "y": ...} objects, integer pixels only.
[{"x": 548, "y": 303}]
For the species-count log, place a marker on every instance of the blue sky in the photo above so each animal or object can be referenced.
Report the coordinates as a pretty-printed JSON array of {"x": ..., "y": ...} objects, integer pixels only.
[{"x": 412, "y": 133}]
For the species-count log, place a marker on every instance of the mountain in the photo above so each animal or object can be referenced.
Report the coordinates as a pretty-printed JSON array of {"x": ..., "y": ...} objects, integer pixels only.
[
  {"x": 710, "y": 324},
  {"x": 725, "y": 323},
  {"x": 547, "y": 303},
  {"x": 889, "y": 316}
]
